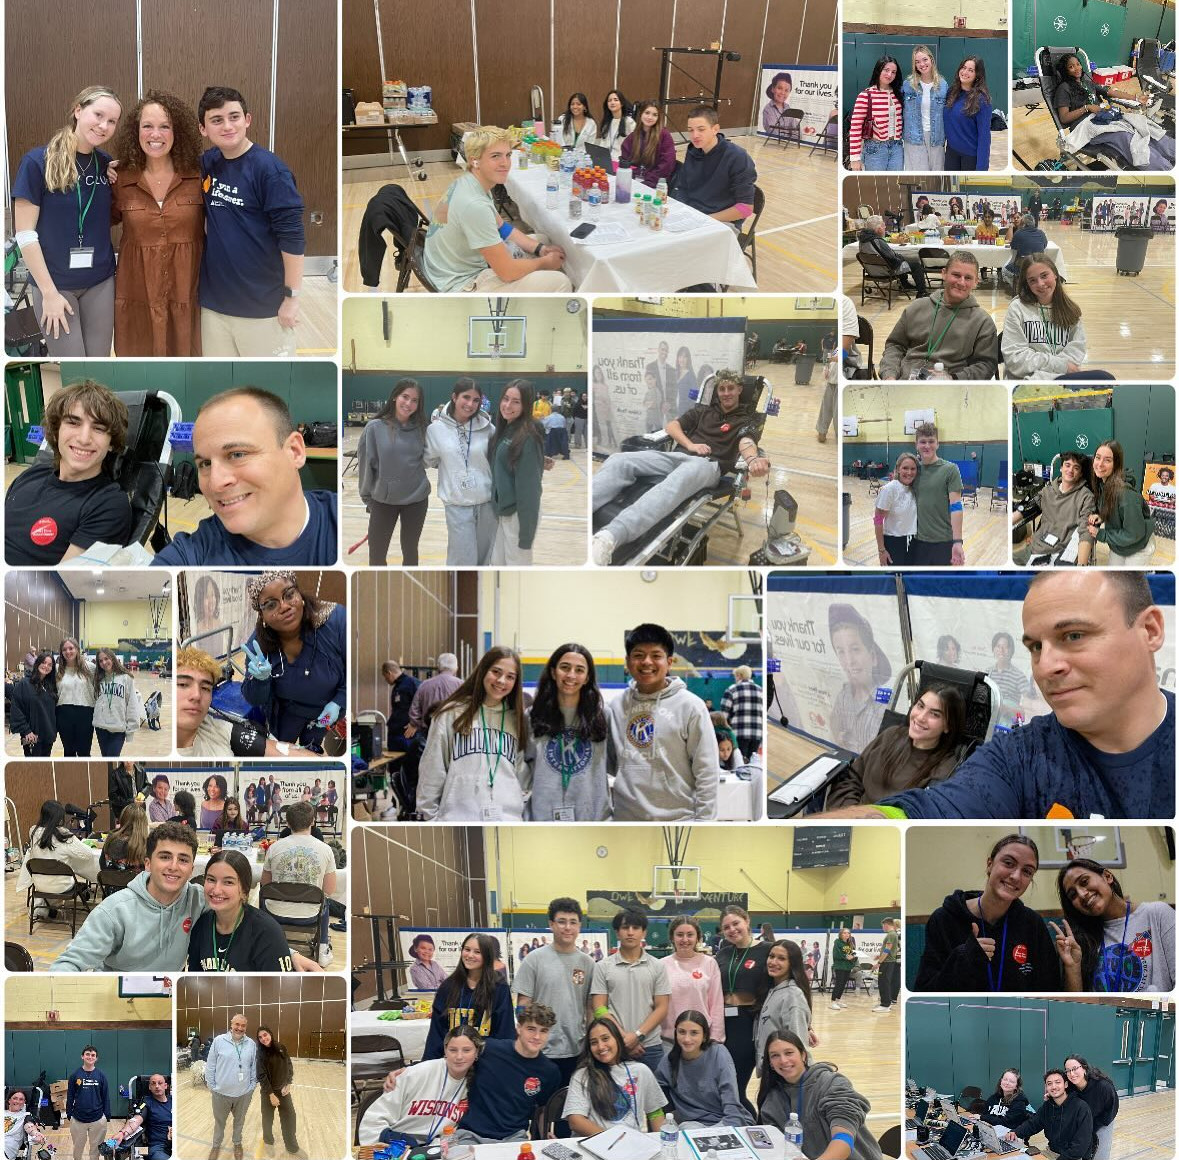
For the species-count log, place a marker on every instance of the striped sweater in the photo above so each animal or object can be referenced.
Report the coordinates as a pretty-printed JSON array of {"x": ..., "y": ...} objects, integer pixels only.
[{"x": 886, "y": 113}]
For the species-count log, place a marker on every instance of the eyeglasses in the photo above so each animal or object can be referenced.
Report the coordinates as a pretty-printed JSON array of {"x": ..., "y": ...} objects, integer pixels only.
[{"x": 290, "y": 595}]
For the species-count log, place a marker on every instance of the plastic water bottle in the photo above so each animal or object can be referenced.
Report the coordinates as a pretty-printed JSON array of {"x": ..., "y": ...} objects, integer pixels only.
[
  {"x": 552, "y": 188},
  {"x": 595, "y": 203},
  {"x": 669, "y": 1138},
  {"x": 446, "y": 1140},
  {"x": 793, "y": 1132},
  {"x": 567, "y": 169}
]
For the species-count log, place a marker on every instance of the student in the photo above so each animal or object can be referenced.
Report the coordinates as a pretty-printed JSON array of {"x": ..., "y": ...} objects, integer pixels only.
[
  {"x": 1065, "y": 506},
  {"x": 51, "y": 838},
  {"x": 668, "y": 764},
  {"x": 694, "y": 980},
  {"x": 252, "y": 267},
  {"x": 296, "y": 668},
  {"x": 116, "y": 704},
  {"x": 843, "y": 961},
  {"x": 743, "y": 703},
  {"x": 988, "y": 940},
  {"x": 75, "y": 699},
  {"x": 968, "y": 119},
  {"x": 888, "y": 967},
  {"x": 457, "y": 444},
  {"x": 61, "y": 217},
  {"x": 126, "y": 846},
  {"x": 570, "y": 752},
  {"x": 391, "y": 473},
  {"x": 229, "y": 830},
  {"x": 53, "y": 513},
  {"x": 231, "y": 1075},
  {"x": 1123, "y": 520},
  {"x": 575, "y": 126},
  {"x": 184, "y": 803},
  {"x": 939, "y": 504},
  {"x": 895, "y": 518},
  {"x": 88, "y": 1104},
  {"x": 742, "y": 965},
  {"x": 922, "y": 751},
  {"x": 516, "y": 454},
  {"x": 833, "y": 1114},
  {"x": 514, "y": 1080},
  {"x": 472, "y": 996},
  {"x": 716, "y": 177},
  {"x": 608, "y": 1089},
  {"x": 32, "y": 708},
  {"x": 413, "y": 1108},
  {"x": 473, "y": 768},
  {"x": 616, "y": 124},
  {"x": 1007, "y": 1105},
  {"x": 1108, "y": 944},
  {"x": 923, "y": 95},
  {"x": 276, "y": 1074},
  {"x": 301, "y": 857},
  {"x": 698, "y": 1076},
  {"x": 631, "y": 988},
  {"x": 557, "y": 976},
  {"x": 232, "y": 935},
  {"x": 1064, "y": 1118},
  {"x": 876, "y": 134},
  {"x": 248, "y": 455},
  {"x": 1043, "y": 336},
  {"x": 1097, "y": 1090},
  {"x": 650, "y": 150},
  {"x": 788, "y": 1004}
]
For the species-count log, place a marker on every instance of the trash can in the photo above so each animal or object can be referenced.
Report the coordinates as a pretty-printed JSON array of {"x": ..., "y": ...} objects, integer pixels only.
[
  {"x": 804, "y": 367},
  {"x": 847, "y": 502},
  {"x": 1132, "y": 243}
]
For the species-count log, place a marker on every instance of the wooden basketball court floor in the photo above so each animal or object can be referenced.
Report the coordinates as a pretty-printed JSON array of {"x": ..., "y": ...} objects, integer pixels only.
[
  {"x": 796, "y": 236},
  {"x": 319, "y": 1095},
  {"x": 1129, "y": 321}
]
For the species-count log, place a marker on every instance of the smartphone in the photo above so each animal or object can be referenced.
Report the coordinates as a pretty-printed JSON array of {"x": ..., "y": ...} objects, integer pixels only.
[{"x": 583, "y": 231}]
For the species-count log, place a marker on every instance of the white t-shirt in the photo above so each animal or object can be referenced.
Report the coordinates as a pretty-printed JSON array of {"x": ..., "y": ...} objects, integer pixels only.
[
  {"x": 1139, "y": 952},
  {"x": 637, "y": 1095},
  {"x": 298, "y": 858},
  {"x": 901, "y": 505},
  {"x": 926, "y": 90}
]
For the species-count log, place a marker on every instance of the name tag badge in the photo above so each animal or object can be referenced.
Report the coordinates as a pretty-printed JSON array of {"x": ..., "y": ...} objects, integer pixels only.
[
  {"x": 493, "y": 814},
  {"x": 81, "y": 257},
  {"x": 241, "y": 1075},
  {"x": 731, "y": 1012},
  {"x": 468, "y": 483},
  {"x": 564, "y": 814}
]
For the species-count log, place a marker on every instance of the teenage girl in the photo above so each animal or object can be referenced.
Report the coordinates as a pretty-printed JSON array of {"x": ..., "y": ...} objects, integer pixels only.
[
  {"x": 788, "y": 1004},
  {"x": 609, "y": 1090},
  {"x": 698, "y": 1076},
  {"x": 472, "y": 994}
]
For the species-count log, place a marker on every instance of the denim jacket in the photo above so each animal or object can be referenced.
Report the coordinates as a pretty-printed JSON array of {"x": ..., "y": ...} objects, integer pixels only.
[{"x": 911, "y": 98}]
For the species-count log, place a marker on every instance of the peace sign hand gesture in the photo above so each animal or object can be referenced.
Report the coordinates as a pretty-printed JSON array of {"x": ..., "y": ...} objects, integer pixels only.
[
  {"x": 257, "y": 666},
  {"x": 1069, "y": 951}
]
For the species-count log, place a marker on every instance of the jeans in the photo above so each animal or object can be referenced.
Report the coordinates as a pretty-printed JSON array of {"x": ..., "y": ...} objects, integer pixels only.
[
  {"x": 880, "y": 156},
  {"x": 382, "y": 521},
  {"x": 683, "y": 476},
  {"x": 110, "y": 744},
  {"x": 961, "y": 162},
  {"x": 159, "y": 1152},
  {"x": 556, "y": 442}
]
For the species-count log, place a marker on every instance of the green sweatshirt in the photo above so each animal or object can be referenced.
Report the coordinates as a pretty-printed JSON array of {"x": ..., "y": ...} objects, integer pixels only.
[{"x": 517, "y": 490}]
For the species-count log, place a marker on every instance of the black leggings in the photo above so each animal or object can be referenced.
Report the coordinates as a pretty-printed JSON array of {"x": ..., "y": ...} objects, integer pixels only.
[
  {"x": 841, "y": 978},
  {"x": 382, "y": 519},
  {"x": 739, "y": 1039},
  {"x": 75, "y": 725}
]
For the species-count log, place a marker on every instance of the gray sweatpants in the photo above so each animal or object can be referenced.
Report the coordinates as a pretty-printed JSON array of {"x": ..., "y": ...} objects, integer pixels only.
[
  {"x": 222, "y": 1106},
  {"x": 92, "y": 324},
  {"x": 683, "y": 476},
  {"x": 470, "y": 534}
]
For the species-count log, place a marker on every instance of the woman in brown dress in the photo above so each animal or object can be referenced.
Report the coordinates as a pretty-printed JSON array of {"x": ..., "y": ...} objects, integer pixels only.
[{"x": 157, "y": 198}]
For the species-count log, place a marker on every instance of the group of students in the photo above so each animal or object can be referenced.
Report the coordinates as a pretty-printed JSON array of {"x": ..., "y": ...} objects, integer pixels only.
[
  {"x": 490, "y": 757},
  {"x": 68, "y": 697},
  {"x": 988, "y": 940},
  {"x": 922, "y": 123},
  {"x": 210, "y": 252},
  {"x": 632, "y": 1037}
]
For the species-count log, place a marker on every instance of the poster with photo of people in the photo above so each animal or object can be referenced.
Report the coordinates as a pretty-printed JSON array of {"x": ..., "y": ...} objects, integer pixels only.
[
  {"x": 218, "y": 607},
  {"x": 1158, "y": 488},
  {"x": 789, "y": 89}
]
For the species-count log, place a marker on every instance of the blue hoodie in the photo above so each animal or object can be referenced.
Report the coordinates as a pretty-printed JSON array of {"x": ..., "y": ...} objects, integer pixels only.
[
  {"x": 88, "y": 1099},
  {"x": 716, "y": 180}
]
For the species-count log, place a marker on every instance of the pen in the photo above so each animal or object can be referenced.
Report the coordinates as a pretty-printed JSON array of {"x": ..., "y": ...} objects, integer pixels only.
[{"x": 619, "y": 1137}]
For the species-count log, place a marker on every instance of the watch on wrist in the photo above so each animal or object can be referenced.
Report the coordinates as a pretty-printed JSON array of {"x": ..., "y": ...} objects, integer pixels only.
[{"x": 287, "y": 292}]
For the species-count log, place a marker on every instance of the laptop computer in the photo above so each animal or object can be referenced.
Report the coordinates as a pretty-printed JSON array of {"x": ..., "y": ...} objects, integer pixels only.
[
  {"x": 918, "y": 1116},
  {"x": 946, "y": 1147},
  {"x": 993, "y": 1142},
  {"x": 600, "y": 156}
]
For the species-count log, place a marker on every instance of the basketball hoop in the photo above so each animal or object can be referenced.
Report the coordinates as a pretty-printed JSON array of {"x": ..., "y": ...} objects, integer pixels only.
[{"x": 1082, "y": 845}]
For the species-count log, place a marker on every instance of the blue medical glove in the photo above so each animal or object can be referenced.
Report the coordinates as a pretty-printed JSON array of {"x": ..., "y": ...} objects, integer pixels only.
[
  {"x": 257, "y": 666},
  {"x": 329, "y": 716}
]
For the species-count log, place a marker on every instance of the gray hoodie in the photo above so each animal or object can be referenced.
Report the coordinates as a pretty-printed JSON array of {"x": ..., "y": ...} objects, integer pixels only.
[
  {"x": 447, "y": 449},
  {"x": 965, "y": 340},
  {"x": 131, "y": 931},
  {"x": 584, "y": 764},
  {"x": 785, "y": 1009},
  {"x": 668, "y": 763},
  {"x": 829, "y": 1104},
  {"x": 390, "y": 466}
]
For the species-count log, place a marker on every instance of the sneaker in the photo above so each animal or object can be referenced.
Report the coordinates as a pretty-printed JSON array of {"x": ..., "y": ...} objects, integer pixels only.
[
  {"x": 602, "y": 548},
  {"x": 325, "y": 956},
  {"x": 836, "y": 1006},
  {"x": 878, "y": 1010}
]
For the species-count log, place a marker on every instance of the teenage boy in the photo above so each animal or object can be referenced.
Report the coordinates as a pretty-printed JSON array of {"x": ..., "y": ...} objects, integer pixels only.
[
  {"x": 515, "y": 1079},
  {"x": 631, "y": 988},
  {"x": 231, "y": 1076},
  {"x": 1064, "y": 1118},
  {"x": 888, "y": 967},
  {"x": 252, "y": 267},
  {"x": 55, "y": 512},
  {"x": 939, "y": 504},
  {"x": 716, "y": 177},
  {"x": 306, "y": 860},
  {"x": 668, "y": 762},
  {"x": 88, "y": 1105},
  {"x": 558, "y": 977}
]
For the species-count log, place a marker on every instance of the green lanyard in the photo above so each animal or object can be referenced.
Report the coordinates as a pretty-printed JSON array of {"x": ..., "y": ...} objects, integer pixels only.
[
  {"x": 1047, "y": 331},
  {"x": 217, "y": 953},
  {"x": 568, "y": 742},
  {"x": 934, "y": 343},
  {"x": 734, "y": 968},
  {"x": 499, "y": 744},
  {"x": 78, "y": 190}
]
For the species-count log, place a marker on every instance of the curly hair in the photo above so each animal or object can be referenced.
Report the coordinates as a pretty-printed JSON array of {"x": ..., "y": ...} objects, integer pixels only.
[{"x": 186, "y": 136}]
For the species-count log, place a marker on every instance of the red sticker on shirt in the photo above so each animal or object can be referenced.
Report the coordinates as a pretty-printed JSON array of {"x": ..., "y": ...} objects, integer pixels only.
[
  {"x": 44, "y": 531},
  {"x": 749, "y": 964},
  {"x": 697, "y": 974},
  {"x": 1141, "y": 946},
  {"x": 1019, "y": 953},
  {"x": 531, "y": 1086},
  {"x": 186, "y": 925}
]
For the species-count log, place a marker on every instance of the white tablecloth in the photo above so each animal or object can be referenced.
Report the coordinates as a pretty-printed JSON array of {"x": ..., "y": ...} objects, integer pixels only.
[
  {"x": 738, "y": 800},
  {"x": 646, "y": 262},
  {"x": 989, "y": 257},
  {"x": 778, "y": 1152},
  {"x": 410, "y": 1033}
]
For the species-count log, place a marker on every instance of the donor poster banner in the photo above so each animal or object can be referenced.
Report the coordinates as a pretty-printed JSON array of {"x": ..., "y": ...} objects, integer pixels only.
[
  {"x": 647, "y": 371},
  {"x": 836, "y": 646},
  {"x": 1158, "y": 487},
  {"x": 217, "y": 602},
  {"x": 1108, "y": 213},
  {"x": 433, "y": 953},
  {"x": 809, "y": 89}
]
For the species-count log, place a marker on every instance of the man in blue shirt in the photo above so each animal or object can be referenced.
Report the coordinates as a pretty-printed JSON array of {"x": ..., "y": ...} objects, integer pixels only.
[
  {"x": 252, "y": 266},
  {"x": 1108, "y": 747},
  {"x": 1025, "y": 238},
  {"x": 151, "y": 1122},
  {"x": 231, "y": 1076},
  {"x": 248, "y": 455}
]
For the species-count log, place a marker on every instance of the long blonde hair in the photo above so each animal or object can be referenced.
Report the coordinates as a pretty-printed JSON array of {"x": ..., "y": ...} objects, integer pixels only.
[
  {"x": 61, "y": 170},
  {"x": 934, "y": 75}
]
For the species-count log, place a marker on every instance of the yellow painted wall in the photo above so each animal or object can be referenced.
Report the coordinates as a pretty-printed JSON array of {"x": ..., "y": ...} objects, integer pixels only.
[
  {"x": 79, "y": 999},
  {"x": 974, "y": 412},
  {"x": 944, "y": 858},
  {"x": 776, "y": 307},
  {"x": 594, "y": 609},
  {"x": 430, "y": 334},
  {"x": 102, "y": 622},
  {"x": 537, "y": 863},
  {"x": 988, "y": 14}
]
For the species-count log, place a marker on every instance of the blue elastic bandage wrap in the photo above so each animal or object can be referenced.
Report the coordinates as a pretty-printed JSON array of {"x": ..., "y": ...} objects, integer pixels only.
[
  {"x": 505, "y": 231},
  {"x": 956, "y": 506},
  {"x": 848, "y": 1139}
]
